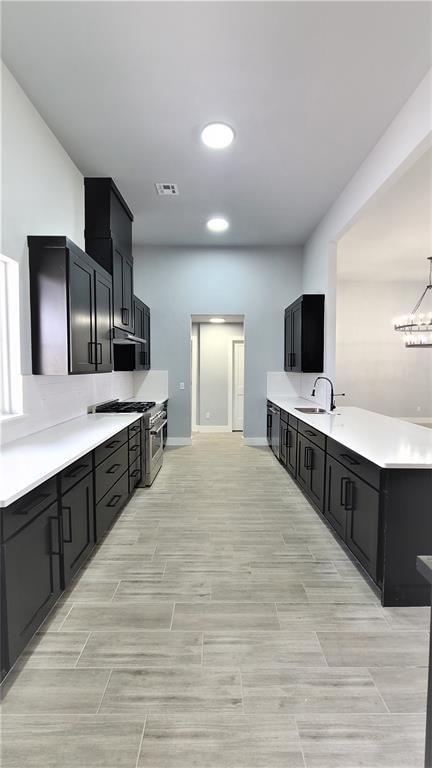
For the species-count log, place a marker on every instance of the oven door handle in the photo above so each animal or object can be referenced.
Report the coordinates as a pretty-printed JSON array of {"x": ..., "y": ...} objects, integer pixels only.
[{"x": 161, "y": 426}]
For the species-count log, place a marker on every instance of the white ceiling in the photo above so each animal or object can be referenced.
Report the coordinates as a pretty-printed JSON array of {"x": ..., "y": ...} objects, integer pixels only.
[
  {"x": 393, "y": 238},
  {"x": 309, "y": 87}
]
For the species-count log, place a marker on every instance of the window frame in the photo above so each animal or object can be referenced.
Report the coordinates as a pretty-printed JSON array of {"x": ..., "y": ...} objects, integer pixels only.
[{"x": 11, "y": 390}]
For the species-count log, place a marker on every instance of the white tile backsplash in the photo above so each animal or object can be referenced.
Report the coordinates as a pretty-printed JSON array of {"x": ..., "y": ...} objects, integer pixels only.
[
  {"x": 49, "y": 400},
  {"x": 281, "y": 384},
  {"x": 151, "y": 385}
]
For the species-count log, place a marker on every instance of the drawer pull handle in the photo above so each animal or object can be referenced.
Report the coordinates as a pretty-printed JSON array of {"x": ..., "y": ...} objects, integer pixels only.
[
  {"x": 349, "y": 459},
  {"x": 112, "y": 469},
  {"x": 135, "y": 473},
  {"x": 112, "y": 443},
  {"x": 309, "y": 432},
  {"x": 76, "y": 471},
  {"x": 68, "y": 511},
  {"x": 34, "y": 501},
  {"x": 115, "y": 500},
  {"x": 134, "y": 448},
  {"x": 308, "y": 458},
  {"x": 58, "y": 534}
]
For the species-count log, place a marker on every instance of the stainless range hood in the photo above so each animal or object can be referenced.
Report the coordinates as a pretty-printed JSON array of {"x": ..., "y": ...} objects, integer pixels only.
[{"x": 123, "y": 337}]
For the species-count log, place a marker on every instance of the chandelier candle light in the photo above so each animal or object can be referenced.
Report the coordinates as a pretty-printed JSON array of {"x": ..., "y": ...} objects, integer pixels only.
[{"x": 417, "y": 326}]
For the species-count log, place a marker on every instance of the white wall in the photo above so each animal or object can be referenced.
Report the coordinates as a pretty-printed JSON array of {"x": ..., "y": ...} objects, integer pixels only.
[
  {"x": 42, "y": 194},
  {"x": 255, "y": 282},
  {"x": 373, "y": 366},
  {"x": 213, "y": 385},
  {"x": 407, "y": 137}
]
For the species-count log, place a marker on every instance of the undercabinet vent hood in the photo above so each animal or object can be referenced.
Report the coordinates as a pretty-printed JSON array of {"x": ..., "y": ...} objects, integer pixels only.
[{"x": 123, "y": 337}]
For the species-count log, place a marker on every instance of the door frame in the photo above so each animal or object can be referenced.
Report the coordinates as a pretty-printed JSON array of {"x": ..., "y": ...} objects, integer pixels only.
[{"x": 233, "y": 340}]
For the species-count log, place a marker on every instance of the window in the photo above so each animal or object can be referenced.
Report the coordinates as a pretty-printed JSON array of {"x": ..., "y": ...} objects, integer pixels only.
[{"x": 10, "y": 369}]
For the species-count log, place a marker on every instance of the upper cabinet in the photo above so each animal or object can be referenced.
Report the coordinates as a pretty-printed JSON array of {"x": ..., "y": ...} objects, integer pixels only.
[
  {"x": 304, "y": 334},
  {"x": 142, "y": 329},
  {"x": 108, "y": 238},
  {"x": 71, "y": 302},
  {"x": 136, "y": 357}
]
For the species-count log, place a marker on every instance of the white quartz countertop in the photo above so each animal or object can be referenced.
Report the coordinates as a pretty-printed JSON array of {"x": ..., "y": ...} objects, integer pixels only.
[
  {"x": 27, "y": 462},
  {"x": 390, "y": 443}
]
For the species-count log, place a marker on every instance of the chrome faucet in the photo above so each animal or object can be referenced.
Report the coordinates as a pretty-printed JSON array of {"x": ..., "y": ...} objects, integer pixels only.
[{"x": 332, "y": 392}]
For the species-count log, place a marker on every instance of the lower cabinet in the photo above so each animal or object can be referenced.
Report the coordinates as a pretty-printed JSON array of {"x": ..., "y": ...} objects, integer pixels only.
[
  {"x": 335, "y": 506},
  {"x": 108, "y": 508},
  {"x": 77, "y": 526},
  {"x": 134, "y": 474},
  {"x": 352, "y": 508},
  {"x": 362, "y": 503},
  {"x": 311, "y": 469},
  {"x": 31, "y": 579}
]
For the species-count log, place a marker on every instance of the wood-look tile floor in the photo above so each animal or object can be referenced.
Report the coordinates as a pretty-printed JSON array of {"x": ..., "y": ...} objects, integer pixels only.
[{"x": 220, "y": 625}]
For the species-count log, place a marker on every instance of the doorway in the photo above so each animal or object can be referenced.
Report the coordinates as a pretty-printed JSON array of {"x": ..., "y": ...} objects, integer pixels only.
[
  {"x": 237, "y": 417},
  {"x": 217, "y": 373}
]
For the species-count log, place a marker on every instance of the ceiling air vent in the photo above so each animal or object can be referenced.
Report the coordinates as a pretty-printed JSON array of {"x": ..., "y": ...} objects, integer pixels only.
[{"x": 166, "y": 189}]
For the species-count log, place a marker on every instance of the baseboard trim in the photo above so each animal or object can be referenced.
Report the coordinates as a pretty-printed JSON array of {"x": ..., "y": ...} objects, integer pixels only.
[
  {"x": 172, "y": 441},
  {"x": 209, "y": 429},
  {"x": 254, "y": 441}
]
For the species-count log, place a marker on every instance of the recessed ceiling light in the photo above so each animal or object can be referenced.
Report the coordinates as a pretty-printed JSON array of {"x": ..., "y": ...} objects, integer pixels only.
[
  {"x": 217, "y": 135},
  {"x": 218, "y": 224},
  {"x": 216, "y": 320}
]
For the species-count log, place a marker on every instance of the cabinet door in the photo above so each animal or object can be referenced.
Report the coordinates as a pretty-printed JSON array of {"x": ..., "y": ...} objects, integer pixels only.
[
  {"x": 111, "y": 504},
  {"x": 303, "y": 462},
  {"x": 288, "y": 341},
  {"x": 77, "y": 509},
  {"x": 362, "y": 504},
  {"x": 82, "y": 353},
  {"x": 336, "y": 486},
  {"x": 291, "y": 462},
  {"x": 283, "y": 443},
  {"x": 296, "y": 357},
  {"x": 104, "y": 322},
  {"x": 127, "y": 305},
  {"x": 139, "y": 331},
  {"x": 119, "y": 315},
  {"x": 31, "y": 578},
  {"x": 146, "y": 336},
  {"x": 316, "y": 459}
]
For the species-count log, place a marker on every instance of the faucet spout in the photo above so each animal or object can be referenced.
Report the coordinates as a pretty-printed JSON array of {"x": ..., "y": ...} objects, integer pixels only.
[{"x": 332, "y": 393}]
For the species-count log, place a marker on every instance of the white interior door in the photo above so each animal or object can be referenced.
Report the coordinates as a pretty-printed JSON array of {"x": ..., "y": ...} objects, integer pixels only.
[{"x": 238, "y": 386}]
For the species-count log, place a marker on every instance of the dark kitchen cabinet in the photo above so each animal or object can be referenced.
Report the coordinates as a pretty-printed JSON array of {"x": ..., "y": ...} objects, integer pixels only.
[
  {"x": 71, "y": 309},
  {"x": 77, "y": 528},
  {"x": 304, "y": 335},
  {"x": 136, "y": 356},
  {"x": 110, "y": 505},
  {"x": 108, "y": 238},
  {"x": 31, "y": 579},
  {"x": 311, "y": 469},
  {"x": 336, "y": 486},
  {"x": 362, "y": 505},
  {"x": 291, "y": 450}
]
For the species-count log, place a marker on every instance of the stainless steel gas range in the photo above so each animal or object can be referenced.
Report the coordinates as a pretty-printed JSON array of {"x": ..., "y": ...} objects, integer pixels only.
[{"x": 153, "y": 423}]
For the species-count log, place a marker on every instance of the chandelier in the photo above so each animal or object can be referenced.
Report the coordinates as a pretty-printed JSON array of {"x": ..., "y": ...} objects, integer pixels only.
[{"x": 417, "y": 326}]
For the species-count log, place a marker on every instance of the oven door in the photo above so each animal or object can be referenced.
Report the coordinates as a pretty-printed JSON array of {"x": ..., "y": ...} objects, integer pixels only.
[{"x": 154, "y": 450}]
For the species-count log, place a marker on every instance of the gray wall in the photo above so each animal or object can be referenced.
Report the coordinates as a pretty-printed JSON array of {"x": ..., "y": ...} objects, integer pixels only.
[{"x": 255, "y": 282}]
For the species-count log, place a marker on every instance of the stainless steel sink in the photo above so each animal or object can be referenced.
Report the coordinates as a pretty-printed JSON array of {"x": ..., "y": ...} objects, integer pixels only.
[{"x": 306, "y": 409}]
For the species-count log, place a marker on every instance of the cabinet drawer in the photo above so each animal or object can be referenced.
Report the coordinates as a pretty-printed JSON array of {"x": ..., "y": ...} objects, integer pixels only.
[
  {"x": 110, "y": 470},
  {"x": 284, "y": 416},
  {"x": 111, "y": 504},
  {"x": 355, "y": 463},
  {"x": 312, "y": 434},
  {"x": 77, "y": 471},
  {"x": 109, "y": 446},
  {"x": 18, "y": 514},
  {"x": 293, "y": 421},
  {"x": 134, "y": 474},
  {"x": 134, "y": 429},
  {"x": 134, "y": 448}
]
